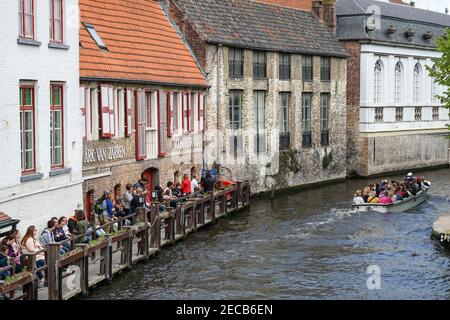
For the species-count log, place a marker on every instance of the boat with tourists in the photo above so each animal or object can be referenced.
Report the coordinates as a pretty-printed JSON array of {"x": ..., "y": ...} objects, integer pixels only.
[{"x": 392, "y": 196}]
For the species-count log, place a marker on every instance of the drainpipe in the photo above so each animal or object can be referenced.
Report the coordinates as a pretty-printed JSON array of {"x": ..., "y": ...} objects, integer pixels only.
[{"x": 218, "y": 83}]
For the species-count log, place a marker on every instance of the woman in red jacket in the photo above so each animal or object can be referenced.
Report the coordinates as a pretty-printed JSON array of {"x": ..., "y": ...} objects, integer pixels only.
[{"x": 186, "y": 185}]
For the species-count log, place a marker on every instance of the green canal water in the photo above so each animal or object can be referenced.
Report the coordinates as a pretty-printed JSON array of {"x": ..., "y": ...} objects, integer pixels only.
[{"x": 307, "y": 245}]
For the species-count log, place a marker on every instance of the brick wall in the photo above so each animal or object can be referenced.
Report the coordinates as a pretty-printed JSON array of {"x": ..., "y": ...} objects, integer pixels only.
[{"x": 354, "y": 143}]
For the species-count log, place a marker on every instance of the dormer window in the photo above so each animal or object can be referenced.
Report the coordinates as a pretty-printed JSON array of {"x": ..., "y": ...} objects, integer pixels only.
[{"x": 98, "y": 40}]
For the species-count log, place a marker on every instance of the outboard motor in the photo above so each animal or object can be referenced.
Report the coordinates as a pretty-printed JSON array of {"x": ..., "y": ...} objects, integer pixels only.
[{"x": 444, "y": 240}]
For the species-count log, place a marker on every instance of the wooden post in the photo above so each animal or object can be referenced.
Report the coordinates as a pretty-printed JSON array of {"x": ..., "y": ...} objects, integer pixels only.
[
  {"x": 178, "y": 224},
  {"x": 239, "y": 190},
  {"x": 108, "y": 259},
  {"x": 202, "y": 213},
  {"x": 84, "y": 269},
  {"x": 31, "y": 288},
  {"x": 155, "y": 232},
  {"x": 53, "y": 267},
  {"x": 213, "y": 208}
]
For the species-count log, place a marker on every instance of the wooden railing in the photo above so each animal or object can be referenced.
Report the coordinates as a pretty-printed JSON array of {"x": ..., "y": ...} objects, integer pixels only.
[{"x": 87, "y": 264}]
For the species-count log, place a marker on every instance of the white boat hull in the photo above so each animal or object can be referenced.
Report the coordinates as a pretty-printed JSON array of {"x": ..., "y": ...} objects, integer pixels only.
[{"x": 399, "y": 206}]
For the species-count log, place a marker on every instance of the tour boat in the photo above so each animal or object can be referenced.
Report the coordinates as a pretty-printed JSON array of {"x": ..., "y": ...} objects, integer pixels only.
[{"x": 399, "y": 206}]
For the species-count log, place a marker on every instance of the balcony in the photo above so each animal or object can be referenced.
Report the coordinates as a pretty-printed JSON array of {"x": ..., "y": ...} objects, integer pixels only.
[
  {"x": 306, "y": 139},
  {"x": 325, "y": 138},
  {"x": 285, "y": 141}
]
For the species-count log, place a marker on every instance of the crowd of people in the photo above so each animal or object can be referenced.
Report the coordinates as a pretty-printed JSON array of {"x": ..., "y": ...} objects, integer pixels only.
[
  {"x": 388, "y": 192},
  {"x": 103, "y": 219}
]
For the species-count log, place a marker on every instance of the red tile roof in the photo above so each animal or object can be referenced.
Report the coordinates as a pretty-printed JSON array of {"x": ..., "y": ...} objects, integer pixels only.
[{"x": 142, "y": 44}]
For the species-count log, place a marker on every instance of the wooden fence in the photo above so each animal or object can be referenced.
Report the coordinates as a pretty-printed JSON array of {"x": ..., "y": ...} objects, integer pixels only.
[{"x": 87, "y": 264}]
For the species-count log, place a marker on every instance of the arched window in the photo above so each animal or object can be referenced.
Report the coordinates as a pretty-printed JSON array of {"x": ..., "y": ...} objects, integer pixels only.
[
  {"x": 417, "y": 82},
  {"x": 378, "y": 79},
  {"x": 398, "y": 83},
  {"x": 434, "y": 87}
]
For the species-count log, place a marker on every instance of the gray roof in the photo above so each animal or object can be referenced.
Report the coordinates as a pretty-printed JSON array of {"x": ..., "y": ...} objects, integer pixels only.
[
  {"x": 248, "y": 24},
  {"x": 354, "y": 14}
]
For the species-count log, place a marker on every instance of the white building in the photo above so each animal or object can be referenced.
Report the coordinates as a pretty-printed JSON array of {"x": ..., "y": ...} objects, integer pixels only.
[
  {"x": 395, "y": 121},
  {"x": 40, "y": 122}
]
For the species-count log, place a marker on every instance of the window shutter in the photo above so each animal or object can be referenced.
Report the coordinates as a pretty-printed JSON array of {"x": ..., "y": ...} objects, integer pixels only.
[
  {"x": 185, "y": 111},
  {"x": 140, "y": 125},
  {"x": 112, "y": 116},
  {"x": 201, "y": 112},
  {"x": 169, "y": 114},
  {"x": 104, "y": 112},
  {"x": 83, "y": 109},
  {"x": 129, "y": 110}
]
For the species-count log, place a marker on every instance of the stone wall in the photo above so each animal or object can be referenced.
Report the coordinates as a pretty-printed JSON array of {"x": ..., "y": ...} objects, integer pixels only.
[
  {"x": 273, "y": 168},
  {"x": 406, "y": 152}
]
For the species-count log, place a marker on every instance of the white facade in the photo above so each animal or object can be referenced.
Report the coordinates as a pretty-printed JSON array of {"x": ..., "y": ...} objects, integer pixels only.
[
  {"x": 45, "y": 192},
  {"x": 407, "y": 102}
]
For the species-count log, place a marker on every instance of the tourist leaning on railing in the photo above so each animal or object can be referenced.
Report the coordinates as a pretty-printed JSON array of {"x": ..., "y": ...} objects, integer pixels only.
[
  {"x": 48, "y": 236},
  {"x": 30, "y": 245},
  {"x": 4, "y": 261},
  {"x": 14, "y": 250},
  {"x": 60, "y": 235}
]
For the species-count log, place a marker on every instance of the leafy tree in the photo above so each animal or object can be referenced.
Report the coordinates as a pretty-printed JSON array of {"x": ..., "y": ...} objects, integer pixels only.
[{"x": 441, "y": 71}]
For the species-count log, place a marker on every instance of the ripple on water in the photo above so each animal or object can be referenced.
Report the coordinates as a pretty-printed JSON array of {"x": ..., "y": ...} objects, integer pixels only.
[{"x": 299, "y": 247}]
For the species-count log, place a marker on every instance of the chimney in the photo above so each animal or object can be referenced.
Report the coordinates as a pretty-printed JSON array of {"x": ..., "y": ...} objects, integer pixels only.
[
  {"x": 329, "y": 14},
  {"x": 317, "y": 9},
  {"x": 413, "y": 3}
]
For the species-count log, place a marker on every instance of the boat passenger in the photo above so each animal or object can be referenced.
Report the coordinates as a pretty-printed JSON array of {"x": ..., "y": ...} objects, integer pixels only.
[
  {"x": 366, "y": 192},
  {"x": 373, "y": 197},
  {"x": 358, "y": 197},
  {"x": 385, "y": 199},
  {"x": 392, "y": 195}
]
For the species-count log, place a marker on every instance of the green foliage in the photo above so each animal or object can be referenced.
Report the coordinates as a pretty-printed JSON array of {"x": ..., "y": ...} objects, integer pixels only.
[{"x": 441, "y": 72}]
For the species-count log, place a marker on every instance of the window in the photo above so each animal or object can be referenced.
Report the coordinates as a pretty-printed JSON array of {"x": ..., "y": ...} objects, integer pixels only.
[
  {"x": 417, "y": 82},
  {"x": 56, "y": 21},
  {"x": 236, "y": 62},
  {"x": 235, "y": 107},
  {"x": 306, "y": 119},
  {"x": 151, "y": 125},
  {"x": 193, "y": 112},
  {"x": 285, "y": 66},
  {"x": 56, "y": 126},
  {"x": 285, "y": 136},
  {"x": 434, "y": 88},
  {"x": 27, "y": 134},
  {"x": 259, "y": 64},
  {"x": 26, "y": 18},
  {"x": 259, "y": 101},
  {"x": 325, "y": 69},
  {"x": 235, "y": 103},
  {"x": 378, "y": 79},
  {"x": 98, "y": 40},
  {"x": 398, "y": 83},
  {"x": 324, "y": 114},
  {"x": 162, "y": 127},
  {"x": 307, "y": 68}
]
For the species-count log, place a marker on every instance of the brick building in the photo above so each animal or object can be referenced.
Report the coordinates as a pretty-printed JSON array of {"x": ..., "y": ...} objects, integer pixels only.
[
  {"x": 40, "y": 128},
  {"x": 141, "y": 96},
  {"x": 276, "y": 108},
  {"x": 394, "y": 120}
]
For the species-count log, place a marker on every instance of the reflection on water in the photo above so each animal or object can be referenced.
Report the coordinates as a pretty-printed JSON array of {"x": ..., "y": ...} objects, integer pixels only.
[{"x": 308, "y": 245}]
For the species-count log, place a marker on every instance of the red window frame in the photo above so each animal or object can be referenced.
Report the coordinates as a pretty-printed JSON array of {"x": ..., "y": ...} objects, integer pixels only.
[
  {"x": 58, "y": 108},
  {"x": 23, "y": 32},
  {"x": 52, "y": 23},
  {"x": 31, "y": 108}
]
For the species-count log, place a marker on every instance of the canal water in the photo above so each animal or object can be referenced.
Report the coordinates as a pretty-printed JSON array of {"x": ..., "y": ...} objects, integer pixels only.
[{"x": 307, "y": 245}]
